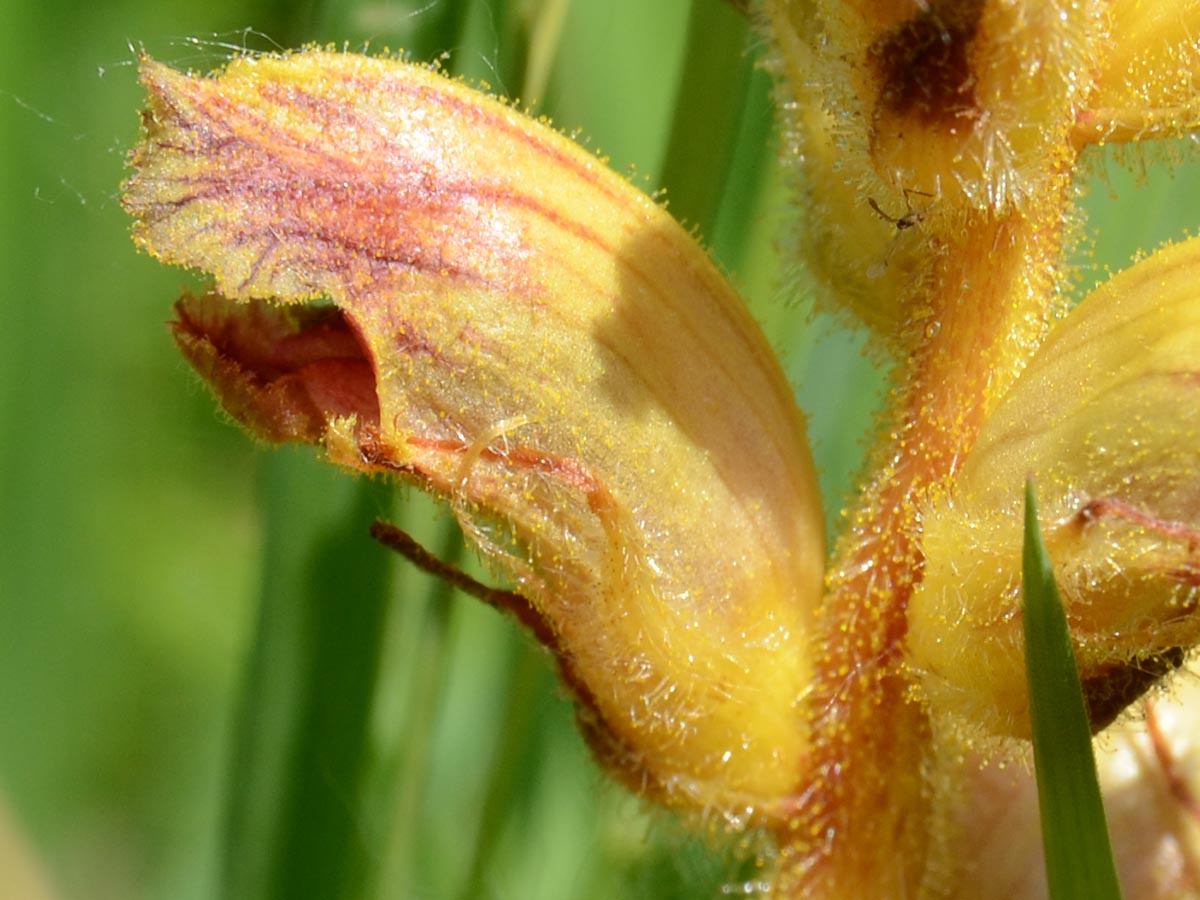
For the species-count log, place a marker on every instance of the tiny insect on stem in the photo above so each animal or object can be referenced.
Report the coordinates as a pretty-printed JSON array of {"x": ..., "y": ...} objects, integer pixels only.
[{"x": 910, "y": 217}]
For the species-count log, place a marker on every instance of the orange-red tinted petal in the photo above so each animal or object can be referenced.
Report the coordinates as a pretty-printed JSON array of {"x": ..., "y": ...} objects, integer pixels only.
[{"x": 521, "y": 332}]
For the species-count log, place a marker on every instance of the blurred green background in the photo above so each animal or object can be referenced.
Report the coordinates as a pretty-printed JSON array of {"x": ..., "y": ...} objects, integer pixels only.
[{"x": 212, "y": 683}]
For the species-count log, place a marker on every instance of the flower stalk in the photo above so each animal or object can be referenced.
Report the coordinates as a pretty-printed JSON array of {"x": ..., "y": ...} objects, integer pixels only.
[{"x": 972, "y": 336}]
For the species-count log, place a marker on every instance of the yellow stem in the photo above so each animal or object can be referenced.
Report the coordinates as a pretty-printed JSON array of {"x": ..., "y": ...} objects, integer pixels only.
[{"x": 983, "y": 311}]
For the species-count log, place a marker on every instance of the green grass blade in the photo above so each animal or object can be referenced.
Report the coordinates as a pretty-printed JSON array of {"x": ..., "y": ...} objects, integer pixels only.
[
  {"x": 508, "y": 774},
  {"x": 1079, "y": 860},
  {"x": 408, "y": 757},
  {"x": 296, "y": 804},
  {"x": 708, "y": 112}
]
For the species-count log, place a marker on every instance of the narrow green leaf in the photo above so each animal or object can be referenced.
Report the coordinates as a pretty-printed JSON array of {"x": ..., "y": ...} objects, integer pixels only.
[
  {"x": 408, "y": 760},
  {"x": 301, "y": 753},
  {"x": 1079, "y": 860},
  {"x": 508, "y": 776},
  {"x": 708, "y": 112}
]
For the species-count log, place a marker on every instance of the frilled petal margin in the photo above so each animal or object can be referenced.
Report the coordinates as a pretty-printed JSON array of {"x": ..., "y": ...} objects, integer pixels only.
[
  {"x": 1107, "y": 419},
  {"x": 499, "y": 319}
]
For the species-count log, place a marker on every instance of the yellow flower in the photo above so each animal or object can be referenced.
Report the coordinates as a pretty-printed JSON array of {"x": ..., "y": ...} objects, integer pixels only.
[
  {"x": 519, "y": 331},
  {"x": 1105, "y": 414},
  {"x": 427, "y": 283}
]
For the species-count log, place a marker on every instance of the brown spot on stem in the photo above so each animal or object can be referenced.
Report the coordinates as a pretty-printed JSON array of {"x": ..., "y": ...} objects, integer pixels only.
[{"x": 924, "y": 64}]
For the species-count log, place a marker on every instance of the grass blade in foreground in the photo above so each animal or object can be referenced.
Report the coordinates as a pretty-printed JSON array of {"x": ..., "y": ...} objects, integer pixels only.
[{"x": 1079, "y": 860}]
